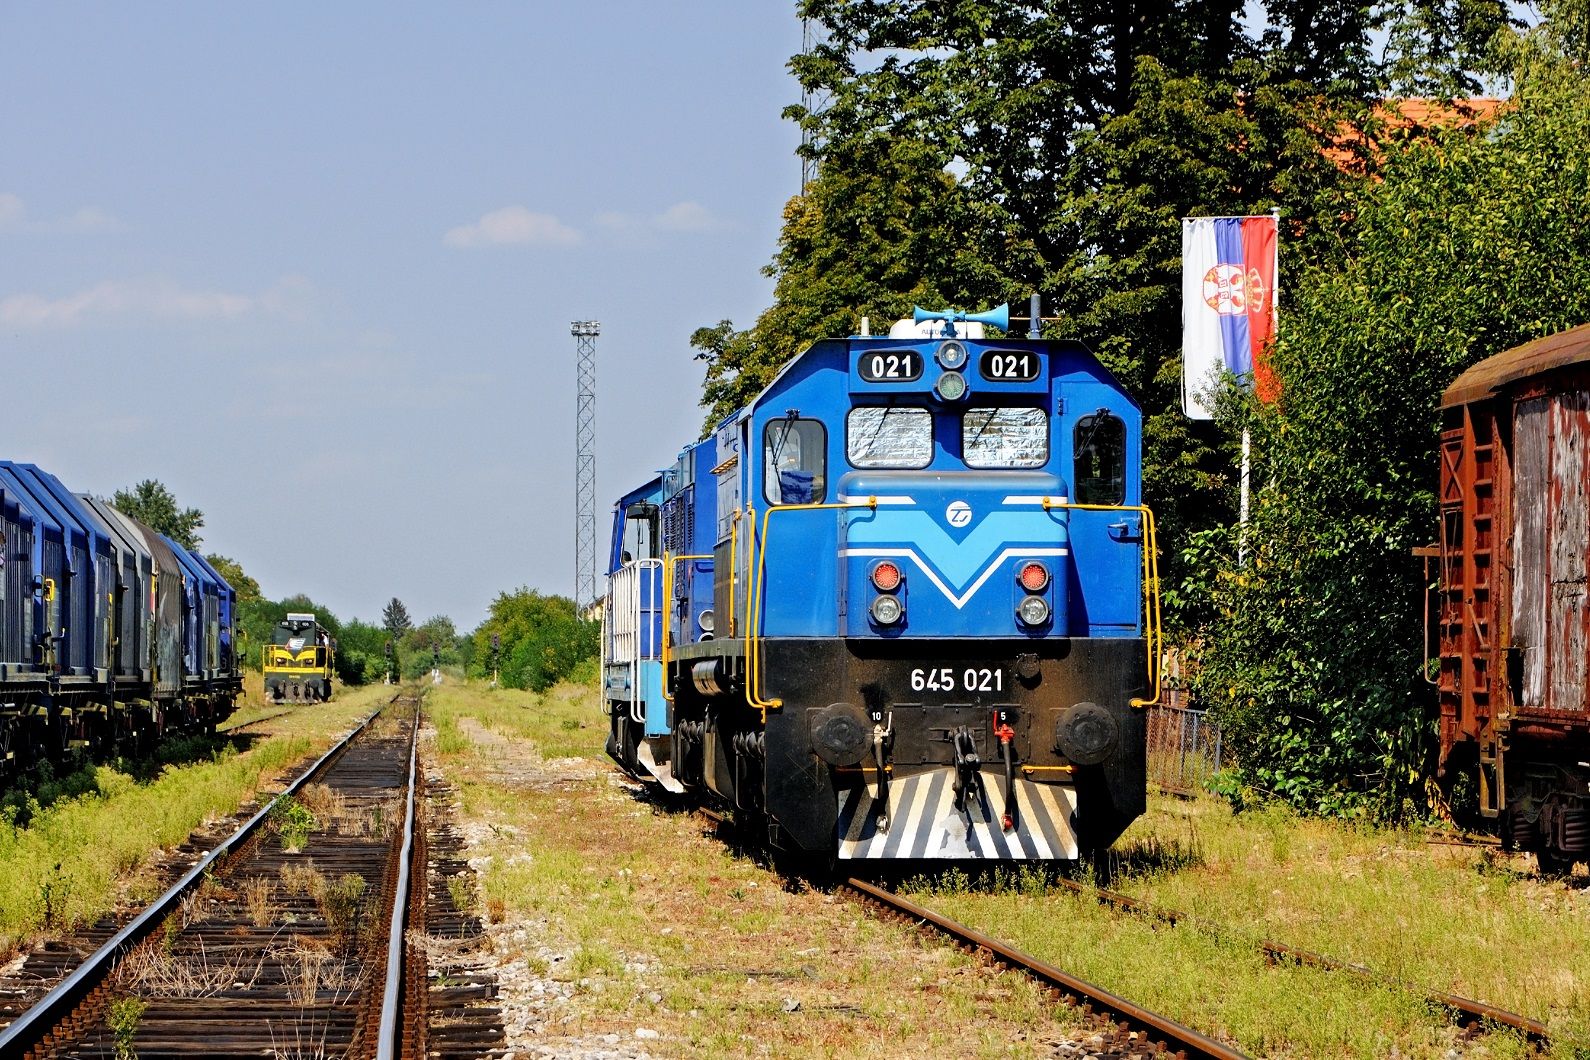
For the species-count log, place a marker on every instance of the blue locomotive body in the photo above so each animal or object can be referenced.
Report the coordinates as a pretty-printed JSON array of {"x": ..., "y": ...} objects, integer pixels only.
[
  {"x": 908, "y": 603},
  {"x": 110, "y": 634}
]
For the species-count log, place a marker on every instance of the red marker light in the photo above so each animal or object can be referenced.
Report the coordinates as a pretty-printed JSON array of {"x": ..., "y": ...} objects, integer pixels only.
[
  {"x": 886, "y": 577},
  {"x": 1033, "y": 577}
]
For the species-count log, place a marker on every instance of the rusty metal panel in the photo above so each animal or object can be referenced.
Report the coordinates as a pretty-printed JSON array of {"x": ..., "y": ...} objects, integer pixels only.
[
  {"x": 1531, "y": 485},
  {"x": 1570, "y": 459}
]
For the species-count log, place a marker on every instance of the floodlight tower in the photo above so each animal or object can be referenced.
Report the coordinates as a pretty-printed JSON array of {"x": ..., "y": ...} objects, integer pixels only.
[{"x": 585, "y": 332}]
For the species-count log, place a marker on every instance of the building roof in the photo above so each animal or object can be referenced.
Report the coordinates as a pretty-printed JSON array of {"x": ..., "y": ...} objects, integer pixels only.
[
  {"x": 1410, "y": 116},
  {"x": 1521, "y": 362}
]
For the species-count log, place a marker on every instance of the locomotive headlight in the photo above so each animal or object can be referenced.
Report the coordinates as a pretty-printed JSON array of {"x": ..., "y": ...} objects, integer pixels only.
[
  {"x": 705, "y": 620},
  {"x": 887, "y": 610},
  {"x": 952, "y": 354},
  {"x": 951, "y": 386},
  {"x": 1033, "y": 610}
]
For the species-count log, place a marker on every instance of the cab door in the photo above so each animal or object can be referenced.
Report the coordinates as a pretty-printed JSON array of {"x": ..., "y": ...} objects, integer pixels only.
[{"x": 1106, "y": 542}]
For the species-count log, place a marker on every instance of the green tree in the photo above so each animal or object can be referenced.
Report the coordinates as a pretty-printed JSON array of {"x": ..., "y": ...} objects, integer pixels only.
[
  {"x": 395, "y": 618},
  {"x": 153, "y": 504},
  {"x": 1468, "y": 245},
  {"x": 361, "y": 650},
  {"x": 544, "y": 639},
  {"x": 435, "y": 638},
  {"x": 247, "y": 588},
  {"x": 883, "y": 228}
]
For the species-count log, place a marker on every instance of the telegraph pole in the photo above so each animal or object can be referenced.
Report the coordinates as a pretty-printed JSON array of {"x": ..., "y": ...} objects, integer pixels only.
[{"x": 585, "y": 333}]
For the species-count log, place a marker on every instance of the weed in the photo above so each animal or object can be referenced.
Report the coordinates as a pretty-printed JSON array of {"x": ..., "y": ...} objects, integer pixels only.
[
  {"x": 326, "y": 806},
  {"x": 461, "y": 890},
  {"x": 258, "y": 893},
  {"x": 292, "y": 822},
  {"x": 496, "y": 910},
  {"x": 169, "y": 930},
  {"x": 449, "y": 740},
  {"x": 123, "y": 1019},
  {"x": 54, "y": 891},
  {"x": 303, "y": 879},
  {"x": 342, "y": 905},
  {"x": 595, "y": 958}
]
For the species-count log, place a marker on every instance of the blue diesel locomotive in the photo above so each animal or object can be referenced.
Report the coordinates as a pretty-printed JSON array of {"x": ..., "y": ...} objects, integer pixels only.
[
  {"x": 110, "y": 633},
  {"x": 903, "y": 605}
]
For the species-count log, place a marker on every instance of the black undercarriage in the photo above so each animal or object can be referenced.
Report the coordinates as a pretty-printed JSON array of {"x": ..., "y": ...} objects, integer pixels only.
[{"x": 852, "y": 712}]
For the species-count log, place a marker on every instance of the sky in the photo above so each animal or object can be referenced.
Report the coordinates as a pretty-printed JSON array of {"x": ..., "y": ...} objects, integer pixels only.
[{"x": 313, "y": 266}]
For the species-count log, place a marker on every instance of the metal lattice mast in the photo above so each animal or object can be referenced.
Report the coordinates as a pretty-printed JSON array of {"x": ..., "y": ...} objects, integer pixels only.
[
  {"x": 585, "y": 332},
  {"x": 811, "y": 37}
]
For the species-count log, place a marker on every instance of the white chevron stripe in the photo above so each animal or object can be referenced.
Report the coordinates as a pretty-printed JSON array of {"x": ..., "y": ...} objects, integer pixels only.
[
  {"x": 962, "y": 600},
  {"x": 1036, "y": 500},
  {"x": 927, "y": 827}
]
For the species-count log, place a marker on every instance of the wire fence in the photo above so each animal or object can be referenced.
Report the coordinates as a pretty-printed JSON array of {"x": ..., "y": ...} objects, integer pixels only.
[{"x": 1185, "y": 748}]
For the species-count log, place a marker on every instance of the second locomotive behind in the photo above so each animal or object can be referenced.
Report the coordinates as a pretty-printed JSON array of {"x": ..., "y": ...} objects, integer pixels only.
[
  {"x": 901, "y": 605},
  {"x": 300, "y": 661}
]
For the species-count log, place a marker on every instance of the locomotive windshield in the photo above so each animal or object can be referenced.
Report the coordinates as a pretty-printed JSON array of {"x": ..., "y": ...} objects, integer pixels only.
[
  {"x": 995, "y": 438},
  {"x": 795, "y": 466},
  {"x": 889, "y": 436}
]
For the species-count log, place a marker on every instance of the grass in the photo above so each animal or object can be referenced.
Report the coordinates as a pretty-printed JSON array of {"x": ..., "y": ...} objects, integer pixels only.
[
  {"x": 571, "y": 849},
  {"x": 65, "y": 862},
  {"x": 658, "y": 926},
  {"x": 1442, "y": 918}
]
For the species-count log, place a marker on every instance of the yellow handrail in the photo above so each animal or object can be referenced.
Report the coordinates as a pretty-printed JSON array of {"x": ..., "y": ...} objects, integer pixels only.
[
  {"x": 1153, "y": 631},
  {"x": 669, "y": 565},
  {"x": 734, "y": 562},
  {"x": 753, "y": 601}
]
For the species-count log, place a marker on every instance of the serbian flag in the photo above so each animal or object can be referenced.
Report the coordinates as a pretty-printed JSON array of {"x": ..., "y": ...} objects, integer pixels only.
[{"x": 1227, "y": 306}]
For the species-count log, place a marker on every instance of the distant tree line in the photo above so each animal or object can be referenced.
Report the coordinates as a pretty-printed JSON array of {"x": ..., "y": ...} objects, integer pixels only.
[{"x": 541, "y": 640}]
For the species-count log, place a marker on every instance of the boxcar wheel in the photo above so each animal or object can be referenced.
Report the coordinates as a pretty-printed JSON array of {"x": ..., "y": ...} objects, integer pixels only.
[{"x": 1553, "y": 865}]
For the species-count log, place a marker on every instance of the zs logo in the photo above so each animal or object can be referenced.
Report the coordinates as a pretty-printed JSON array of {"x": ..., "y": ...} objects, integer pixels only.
[{"x": 959, "y": 513}]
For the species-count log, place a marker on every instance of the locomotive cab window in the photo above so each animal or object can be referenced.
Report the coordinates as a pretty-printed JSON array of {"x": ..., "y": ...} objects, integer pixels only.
[
  {"x": 641, "y": 532},
  {"x": 996, "y": 438},
  {"x": 1099, "y": 455},
  {"x": 795, "y": 461},
  {"x": 889, "y": 436}
]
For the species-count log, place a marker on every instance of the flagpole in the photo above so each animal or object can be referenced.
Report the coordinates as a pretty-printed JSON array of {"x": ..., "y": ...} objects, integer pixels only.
[{"x": 1242, "y": 510}]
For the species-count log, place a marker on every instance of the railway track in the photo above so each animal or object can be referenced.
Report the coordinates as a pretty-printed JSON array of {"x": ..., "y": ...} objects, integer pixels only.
[
  {"x": 227, "y": 727},
  {"x": 1133, "y": 1030},
  {"x": 1467, "y": 1012},
  {"x": 308, "y": 932}
]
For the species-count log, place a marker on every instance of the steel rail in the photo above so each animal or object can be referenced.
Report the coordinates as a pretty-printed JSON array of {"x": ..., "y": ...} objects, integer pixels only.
[
  {"x": 28, "y": 1028},
  {"x": 227, "y": 727},
  {"x": 388, "y": 1041},
  {"x": 1468, "y": 1009},
  {"x": 1184, "y": 1039}
]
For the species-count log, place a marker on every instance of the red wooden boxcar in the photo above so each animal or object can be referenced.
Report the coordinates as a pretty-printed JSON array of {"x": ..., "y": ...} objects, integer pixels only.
[{"x": 1514, "y": 618}]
